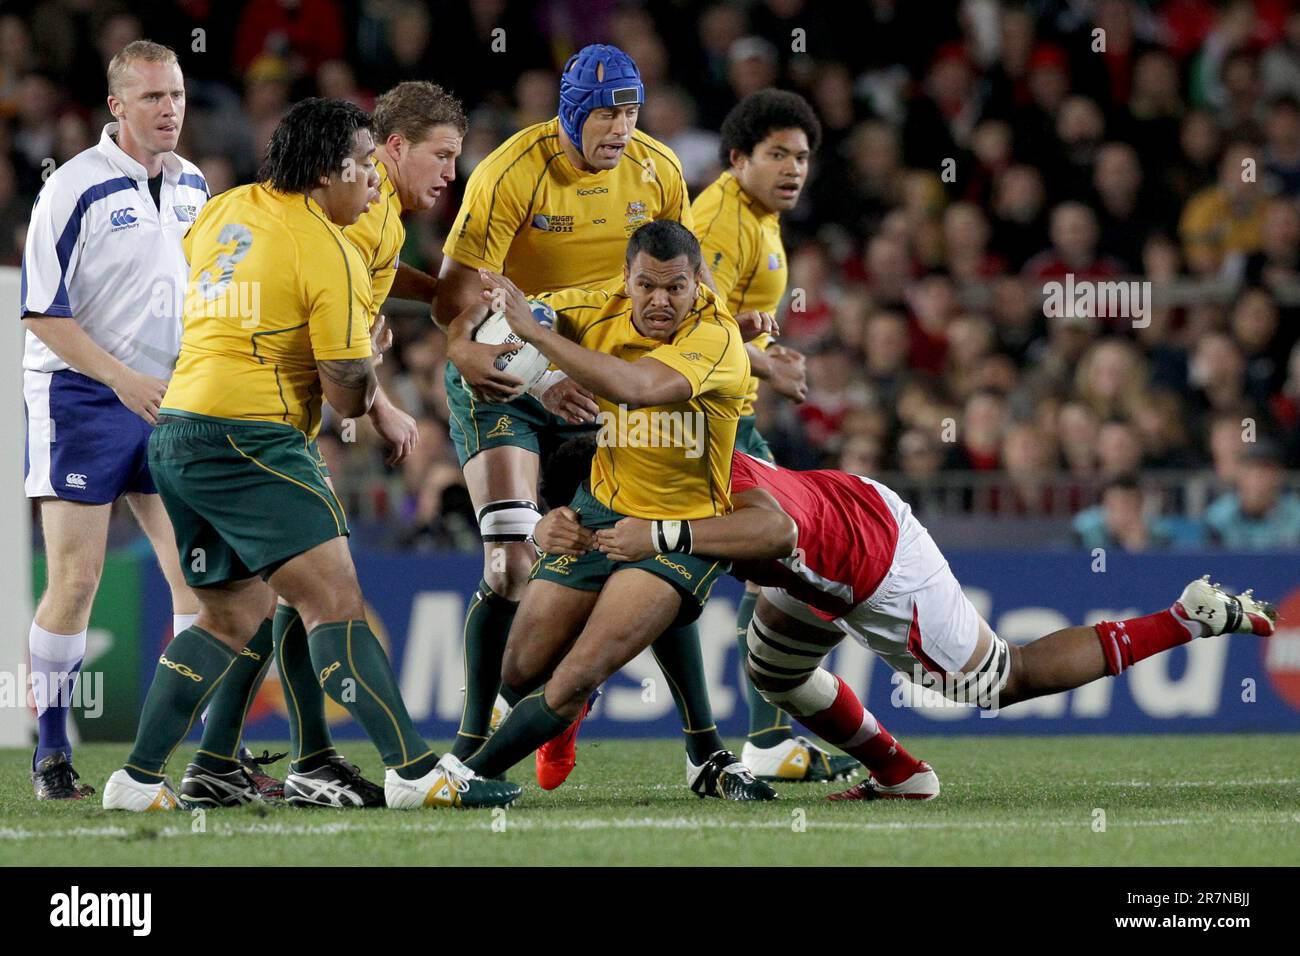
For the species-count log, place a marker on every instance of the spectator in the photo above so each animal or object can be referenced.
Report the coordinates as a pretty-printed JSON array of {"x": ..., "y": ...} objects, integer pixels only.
[
  {"x": 1281, "y": 165},
  {"x": 979, "y": 436},
  {"x": 1257, "y": 514},
  {"x": 1225, "y": 218},
  {"x": 1120, "y": 520},
  {"x": 1074, "y": 248}
]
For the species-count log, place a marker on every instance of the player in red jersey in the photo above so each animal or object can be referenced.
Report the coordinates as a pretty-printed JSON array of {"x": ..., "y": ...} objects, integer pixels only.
[{"x": 841, "y": 555}]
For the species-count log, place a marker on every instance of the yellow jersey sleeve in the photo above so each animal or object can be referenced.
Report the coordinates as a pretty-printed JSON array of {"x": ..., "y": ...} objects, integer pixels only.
[
  {"x": 722, "y": 235},
  {"x": 577, "y": 310},
  {"x": 492, "y": 210},
  {"x": 337, "y": 319}
]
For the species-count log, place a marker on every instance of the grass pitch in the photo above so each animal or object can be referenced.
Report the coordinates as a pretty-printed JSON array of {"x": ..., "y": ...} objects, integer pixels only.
[{"x": 1175, "y": 800}]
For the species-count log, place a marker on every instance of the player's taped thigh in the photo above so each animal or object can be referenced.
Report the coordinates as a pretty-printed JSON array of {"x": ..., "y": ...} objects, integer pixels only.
[
  {"x": 777, "y": 660},
  {"x": 511, "y": 519},
  {"x": 817, "y": 692},
  {"x": 981, "y": 685}
]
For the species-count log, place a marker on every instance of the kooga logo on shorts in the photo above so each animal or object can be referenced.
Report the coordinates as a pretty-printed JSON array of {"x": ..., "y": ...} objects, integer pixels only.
[{"x": 75, "y": 908}]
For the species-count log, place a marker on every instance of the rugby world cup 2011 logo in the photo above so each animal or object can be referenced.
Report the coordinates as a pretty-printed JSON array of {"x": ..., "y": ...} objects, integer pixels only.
[{"x": 1281, "y": 651}]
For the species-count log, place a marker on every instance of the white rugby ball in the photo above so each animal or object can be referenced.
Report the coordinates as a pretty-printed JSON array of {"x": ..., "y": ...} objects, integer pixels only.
[{"x": 525, "y": 362}]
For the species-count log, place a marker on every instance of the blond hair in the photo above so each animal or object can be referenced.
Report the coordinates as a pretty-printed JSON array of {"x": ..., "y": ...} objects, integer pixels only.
[{"x": 136, "y": 51}]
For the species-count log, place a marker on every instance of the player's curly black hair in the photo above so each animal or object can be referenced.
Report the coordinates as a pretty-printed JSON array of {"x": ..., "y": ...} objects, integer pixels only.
[
  {"x": 758, "y": 115},
  {"x": 664, "y": 239},
  {"x": 565, "y": 469},
  {"x": 312, "y": 141}
]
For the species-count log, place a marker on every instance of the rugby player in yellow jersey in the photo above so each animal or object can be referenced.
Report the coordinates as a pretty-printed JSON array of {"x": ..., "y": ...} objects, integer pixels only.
[
  {"x": 418, "y": 132},
  {"x": 667, "y": 363},
  {"x": 768, "y": 140},
  {"x": 552, "y": 208},
  {"x": 276, "y": 321}
]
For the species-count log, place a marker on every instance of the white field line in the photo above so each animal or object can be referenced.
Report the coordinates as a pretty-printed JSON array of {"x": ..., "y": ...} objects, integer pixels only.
[
  {"x": 1262, "y": 782},
  {"x": 622, "y": 823}
]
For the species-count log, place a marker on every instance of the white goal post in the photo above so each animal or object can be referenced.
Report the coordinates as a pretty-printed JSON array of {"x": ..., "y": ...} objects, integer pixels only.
[{"x": 15, "y": 519}]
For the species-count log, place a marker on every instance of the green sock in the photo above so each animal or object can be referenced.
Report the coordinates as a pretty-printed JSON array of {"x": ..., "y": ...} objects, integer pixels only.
[
  {"x": 768, "y": 725},
  {"x": 189, "y": 671},
  {"x": 309, "y": 735},
  {"x": 677, "y": 651},
  {"x": 353, "y": 669},
  {"x": 487, "y": 626},
  {"x": 530, "y": 724},
  {"x": 223, "y": 725}
]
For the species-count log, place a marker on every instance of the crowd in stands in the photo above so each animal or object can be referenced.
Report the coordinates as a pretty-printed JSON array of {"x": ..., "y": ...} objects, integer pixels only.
[{"x": 974, "y": 153}]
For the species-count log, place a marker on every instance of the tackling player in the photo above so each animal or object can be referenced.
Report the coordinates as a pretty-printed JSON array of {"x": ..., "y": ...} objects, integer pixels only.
[
  {"x": 552, "y": 208},
  {"x": 277, "y": 317},
  {"x": 101, "y": 279},
  {"x": 768, "y": 140},
  {"x": 667, "y": 363},
  {"x": 866, "y": 568}
]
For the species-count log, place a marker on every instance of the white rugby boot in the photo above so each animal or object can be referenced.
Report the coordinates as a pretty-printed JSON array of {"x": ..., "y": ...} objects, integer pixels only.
[
  {"x": 1222, "y": 613},
  {"x": 124, "y": 792},
  {"x": 921, "y": 785}
]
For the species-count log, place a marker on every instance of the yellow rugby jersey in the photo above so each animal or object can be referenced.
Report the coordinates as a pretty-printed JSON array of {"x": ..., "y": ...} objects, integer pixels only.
[
  {"x": 379, "y": 235},
  {"x": 663, "y": 461},
  {"x": 743, "y": 249},
  {"x": 274, "y": 287},
  {"x": 531, "y": 214}
]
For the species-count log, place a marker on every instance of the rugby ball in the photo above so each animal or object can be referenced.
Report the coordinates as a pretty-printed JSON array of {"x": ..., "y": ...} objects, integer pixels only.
[{"x": 526, "y": 362}]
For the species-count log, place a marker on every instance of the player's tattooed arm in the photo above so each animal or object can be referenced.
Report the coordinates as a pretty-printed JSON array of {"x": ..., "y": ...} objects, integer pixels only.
[
  {"x": 349, "y": 384},
  {"x": 758, "y": 529}
]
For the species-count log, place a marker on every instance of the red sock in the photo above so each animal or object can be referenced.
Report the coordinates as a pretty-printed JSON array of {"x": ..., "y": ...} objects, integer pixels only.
[
  {"x": 1124, "y": 643},
  {"x": 849, "y": 726}
]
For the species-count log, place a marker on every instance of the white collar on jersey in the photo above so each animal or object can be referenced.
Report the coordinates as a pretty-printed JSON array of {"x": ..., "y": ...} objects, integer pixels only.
[{"x": 115, "y": 155}]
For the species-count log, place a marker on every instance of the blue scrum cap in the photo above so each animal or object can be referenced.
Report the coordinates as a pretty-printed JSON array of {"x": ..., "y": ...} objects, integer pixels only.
[{"x": 597, "y": 76}]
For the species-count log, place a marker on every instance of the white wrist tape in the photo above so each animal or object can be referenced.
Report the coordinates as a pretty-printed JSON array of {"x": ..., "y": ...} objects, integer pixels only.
[
  {"x": 545, "y": 382},
  {"x": 671, "y": 536}
]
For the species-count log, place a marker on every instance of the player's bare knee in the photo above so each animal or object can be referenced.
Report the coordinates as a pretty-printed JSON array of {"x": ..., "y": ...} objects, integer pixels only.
[
  {"x": 507, "y": 567},
  {"x": 572, "y": 683},
  {"x": 517, "y": 667},
  {"x": 71, "y": 593}
]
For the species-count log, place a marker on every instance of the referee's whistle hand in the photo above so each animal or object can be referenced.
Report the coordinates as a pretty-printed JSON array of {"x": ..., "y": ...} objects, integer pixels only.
[{"x": 141, "y": 393}]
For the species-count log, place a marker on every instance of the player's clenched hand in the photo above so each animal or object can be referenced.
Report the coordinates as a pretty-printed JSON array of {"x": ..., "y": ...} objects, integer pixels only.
[
  {"x": 629, "y": 540},
  {"x": 476, "y": 361},
  {"x": 787, "y": 373},
  {"x": 570, "y": 401},
  {"x": 381, "y": 338},
  {"x": 398, "y": 429},
  {"x": 502, "y": 295},
  {"x": 141, "y": 393},
  {"x": 754, "y": 324},
  {"x": 560, "y": 533}
]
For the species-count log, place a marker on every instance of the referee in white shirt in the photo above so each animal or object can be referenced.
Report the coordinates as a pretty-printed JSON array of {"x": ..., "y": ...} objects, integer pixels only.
[{"x": 103, "y": 281}]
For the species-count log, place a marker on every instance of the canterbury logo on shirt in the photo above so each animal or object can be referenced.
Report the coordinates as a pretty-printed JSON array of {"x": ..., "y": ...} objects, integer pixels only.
[{"x": 122, "y": 218}]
